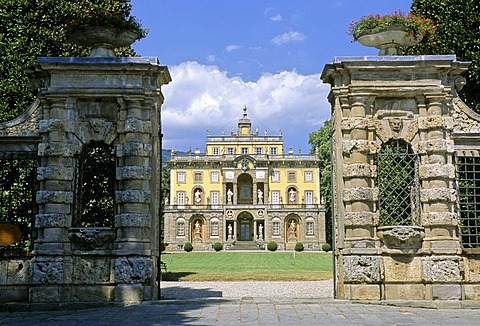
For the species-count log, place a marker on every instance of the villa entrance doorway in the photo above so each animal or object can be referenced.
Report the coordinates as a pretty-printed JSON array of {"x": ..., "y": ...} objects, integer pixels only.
[{"x": 245, "y": 227}]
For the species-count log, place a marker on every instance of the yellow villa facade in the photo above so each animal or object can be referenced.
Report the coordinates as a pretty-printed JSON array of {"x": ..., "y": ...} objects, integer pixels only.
[{"x": 244, "y": 192}]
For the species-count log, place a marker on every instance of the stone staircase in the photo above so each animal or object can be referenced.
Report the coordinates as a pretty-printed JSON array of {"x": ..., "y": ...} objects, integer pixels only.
[{"x": 245, "y": 245}]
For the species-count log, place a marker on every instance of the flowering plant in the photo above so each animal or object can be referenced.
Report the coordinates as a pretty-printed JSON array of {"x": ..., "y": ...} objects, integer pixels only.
[
  {"x": 416, "y": 25},
  {"x": 118, "y": 18}
]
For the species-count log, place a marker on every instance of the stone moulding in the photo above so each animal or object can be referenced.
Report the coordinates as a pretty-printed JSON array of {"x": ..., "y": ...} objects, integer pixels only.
[
  {"x": 91, "y": 238},
  {"x": 401, "y": 236}
]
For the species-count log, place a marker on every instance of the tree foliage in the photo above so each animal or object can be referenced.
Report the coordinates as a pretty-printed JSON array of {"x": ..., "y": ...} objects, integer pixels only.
[
  {"x": 34, "y": 28},
  {"x": 458, "y": 32},
  {"x": 320, "y": 142}
]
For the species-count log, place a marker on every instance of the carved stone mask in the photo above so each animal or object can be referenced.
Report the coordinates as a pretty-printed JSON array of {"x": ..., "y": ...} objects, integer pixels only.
[{"x": 396, "y": 124}]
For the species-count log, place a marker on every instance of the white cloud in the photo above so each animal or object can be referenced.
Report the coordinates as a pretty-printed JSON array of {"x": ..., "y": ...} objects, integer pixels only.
[
  {"x": 276, "y": 18},
  {"x": 288, "y": 37},
  {"x": 202, "y": 97},
  {"x": 211, "y": 58},
  {"x": 232, "y": 47}
]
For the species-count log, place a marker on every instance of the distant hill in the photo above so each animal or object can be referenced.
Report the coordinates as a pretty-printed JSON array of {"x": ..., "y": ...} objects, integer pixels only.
[{"x": 167, "y": 154}]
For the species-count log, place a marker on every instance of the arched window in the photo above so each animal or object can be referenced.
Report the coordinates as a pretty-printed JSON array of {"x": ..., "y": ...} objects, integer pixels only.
[
  {"x": 310, "y": 226},
  {"x": 94, "y": 200},
  {"x": 397, "y": 179},
  {"x": 276, "y": 226}
]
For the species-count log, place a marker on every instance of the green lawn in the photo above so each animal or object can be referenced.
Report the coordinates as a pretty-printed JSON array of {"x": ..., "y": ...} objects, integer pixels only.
[{"x": 242, "y": 266}]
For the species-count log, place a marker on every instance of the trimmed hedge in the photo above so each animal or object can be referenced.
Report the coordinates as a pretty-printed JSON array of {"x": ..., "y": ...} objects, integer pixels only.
[
  {"x": 217, "y": 246},
  {"x": 299, "y": 246},
  {"x": 188, "y": 247},
  {"x": 326, "y": 247},
  {"x": 272, "y": 246}
]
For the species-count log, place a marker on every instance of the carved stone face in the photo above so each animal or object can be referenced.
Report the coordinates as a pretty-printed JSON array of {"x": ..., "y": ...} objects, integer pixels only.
[{"x": 396, "y": 124}]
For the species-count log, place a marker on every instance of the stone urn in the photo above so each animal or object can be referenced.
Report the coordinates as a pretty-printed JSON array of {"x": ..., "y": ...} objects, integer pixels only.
[
  {"x": 389, "y": 40},
  {"x": 103, "y": 39}
]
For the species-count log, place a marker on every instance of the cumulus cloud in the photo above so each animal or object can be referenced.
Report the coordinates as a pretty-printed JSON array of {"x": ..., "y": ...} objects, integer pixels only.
[
  {"x": 202, "y": 97},
  {"x": 276, "y": 18},
  {"x": 288, "y": 38},
  {"x": 232, "y": 47}
]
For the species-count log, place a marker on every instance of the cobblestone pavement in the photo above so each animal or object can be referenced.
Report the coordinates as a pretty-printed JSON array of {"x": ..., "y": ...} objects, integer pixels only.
[{"x": 211, "y": 307}]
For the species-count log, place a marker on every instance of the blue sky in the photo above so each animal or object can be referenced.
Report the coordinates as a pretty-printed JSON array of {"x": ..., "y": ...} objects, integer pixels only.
[{"x": 265, "y": 54}]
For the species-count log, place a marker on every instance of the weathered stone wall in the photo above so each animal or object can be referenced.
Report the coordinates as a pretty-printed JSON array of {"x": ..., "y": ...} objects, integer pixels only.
[
  {"x": 79, "y": 100},
  {"x": 374, "y": 100}
]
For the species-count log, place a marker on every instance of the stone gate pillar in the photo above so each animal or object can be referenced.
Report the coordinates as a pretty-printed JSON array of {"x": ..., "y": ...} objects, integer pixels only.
[
  {"x": 115, "y": 101},
  {"x": 377, "y": 100}
]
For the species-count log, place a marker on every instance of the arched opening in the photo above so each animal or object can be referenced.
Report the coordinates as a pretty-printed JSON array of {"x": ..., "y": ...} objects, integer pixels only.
[
  {"x": 292, "y": 228},
  {"x": 197, "y": 228},
  {"x": 245, "y": 227},
  {"x": 245, "y": 189},
  {"x": 397, "y": 179}
]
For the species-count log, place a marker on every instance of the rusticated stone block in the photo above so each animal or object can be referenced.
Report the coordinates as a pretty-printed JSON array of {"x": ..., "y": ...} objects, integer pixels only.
[
  {"x": 57, "y": 149},
  {"x": 358, "y": 145},
  {"x": 362, "y": 291},
  {"x": 360, "y": 194},
  {"x": 357, "y": 170},
  {"x": 435, "y": 146},
  {"x": 91, "y": 270},
  {"x": 361, "y": 269},
  {"x": 405, "y": 292},
  {"x": 438, "y": 194},
  {"x": 133, "y": 220},
  {"x": 446, "y": 291},
  {"x": 435, "y": 122},
  {"x": 3, "y": 272},
  {"x": 19, "y": 271},
  {"x": 46, "y": 294},
  {"x": 54, "y": 173},
  {"x": 402, "y": 269},
  {"x": 472, "y": 291},
  {"x": 14, "y": 293},
  {"x": 133, "y": 196},
  {"x": 439, "y": 218},
  {"x": 133, "y": 270},
  {"x": 355, "y": 123},
  {"x": 134, "y": 149},
  {"x": 360, "y": 218},
  {"x": 129, "y": 293},
  {"x": 51, "y": 270},
  {"x": 135, "y": 125},
  {"x": 51, "y": 125},
  {"x": 134, "y": 172},
  {"x": 472, "y": 269},
  {"x": 97, "y": 293},
  {"x": 441, "y": 269},
  {"x": 53, "y": 220},
  {"x": 61, "y": 197},
  {"x": 429, "y": 171}
]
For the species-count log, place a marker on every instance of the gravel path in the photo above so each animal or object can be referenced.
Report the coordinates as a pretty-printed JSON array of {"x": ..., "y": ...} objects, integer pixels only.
[{"x": 192, "y": 290}]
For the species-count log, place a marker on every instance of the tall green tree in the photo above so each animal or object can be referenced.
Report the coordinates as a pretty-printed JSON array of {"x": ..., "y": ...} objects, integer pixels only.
[
  {"x": 33, "y": 28},
  {"x": 458, "y": 32},
  {"x": 320, "y": 143}
]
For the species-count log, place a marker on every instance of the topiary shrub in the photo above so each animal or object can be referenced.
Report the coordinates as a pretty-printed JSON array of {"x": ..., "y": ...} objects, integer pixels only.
[
  {"x": 217, "y": 246},
  {"x": 188, "y": 247},
  {"x": 272, "y": 246},
  {"x": 326, "y": 247},
  {"x": 299, "y": 246}
]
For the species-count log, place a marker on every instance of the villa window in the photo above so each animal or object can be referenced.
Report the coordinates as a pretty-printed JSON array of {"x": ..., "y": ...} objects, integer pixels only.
[
  {"x": 275, "y": 197},
  {"x": 181, "y": 177},
  {"x": 197, "y": 177},
  {"x": 310, "y": 226},
  {"x": 273, "y": 151},
  {"x": 275, "y": 176},
  {"x": 214, "y": 196},
  {"x": 244, "y": 150},
  {"x": 181, "y": 227},
  {"x": 292, "y": 177},
  {"x": 181, "y": 197},
  {"x": 216, "y": 150},
  {"x": 214, "y": 177},
  {"x": 230, "y": 150},
  {"x": 214, "y": 227},
  {"x": 308, "y": 176},
  {"x": 276, "y": 227},
  {"x": 308, "y": 197}
]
